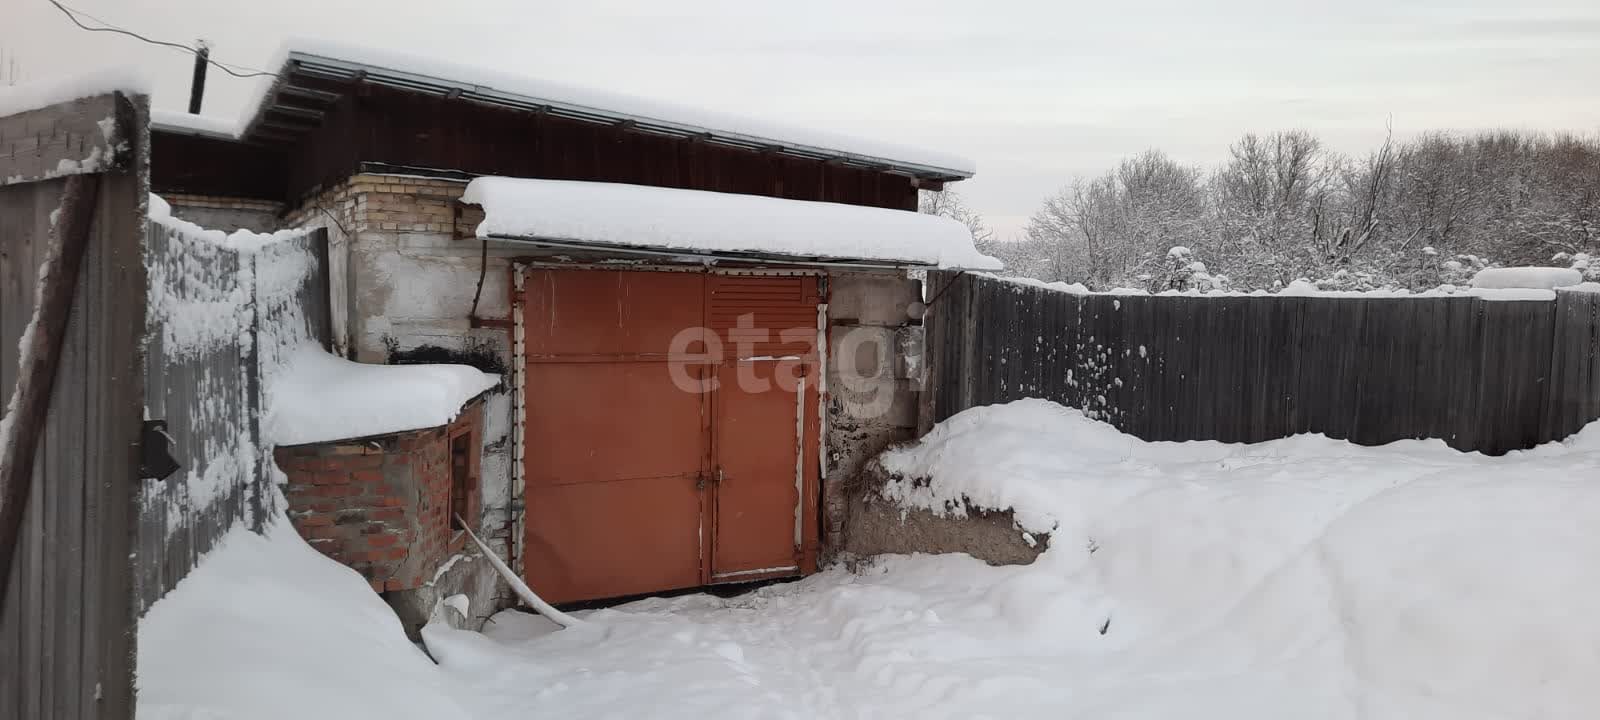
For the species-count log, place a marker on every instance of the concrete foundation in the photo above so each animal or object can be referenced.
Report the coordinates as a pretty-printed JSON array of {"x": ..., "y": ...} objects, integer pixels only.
[
  {"x": 467, "y": 575},
  {"x": 877, "y": 526}
]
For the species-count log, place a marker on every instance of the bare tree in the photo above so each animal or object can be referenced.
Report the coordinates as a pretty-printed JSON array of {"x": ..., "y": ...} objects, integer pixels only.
[
  {"x": 950, "y": 204},
  {"x": 1117, "y": 227},
  {"x": 1283, "y": 207}
]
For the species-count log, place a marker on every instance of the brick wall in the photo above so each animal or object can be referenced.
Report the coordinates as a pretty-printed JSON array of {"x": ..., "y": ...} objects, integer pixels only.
[
  {"x": 404, "y": 273},
  {"x": 381, "y": 505},
  {"x": 393, "y": 203}
]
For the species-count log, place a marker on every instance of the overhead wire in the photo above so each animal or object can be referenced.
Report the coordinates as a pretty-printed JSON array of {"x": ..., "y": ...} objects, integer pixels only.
[{"x": 73, "y": 14}]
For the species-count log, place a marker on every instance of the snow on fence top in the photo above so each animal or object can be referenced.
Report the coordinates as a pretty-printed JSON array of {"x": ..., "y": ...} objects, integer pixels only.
[
  {"x": 35, "y": 95},
  {"x": 699, "y": 221},
  {"x": 1536, "y": 278},
  {"x": 239, "y": 240},
  {"x": 1304, "y": 288},
  {"x": 321, "y": 397},
  {"x": 499, "y": 87}
]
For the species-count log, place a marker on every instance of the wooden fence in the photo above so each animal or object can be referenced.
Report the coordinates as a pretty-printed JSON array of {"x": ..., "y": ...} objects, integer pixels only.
[
  {"x": 219, "y": 321},
  {"x": 66, "y": 607},
  {"x": 1484, "y": 375},
  {"x": 163, "y": 328}
]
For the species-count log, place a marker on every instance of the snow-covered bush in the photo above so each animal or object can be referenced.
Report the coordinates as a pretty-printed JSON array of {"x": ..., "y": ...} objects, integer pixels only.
[
  {"x": 1352, "y": 281},
  {"x": 1585, "y": 263},
  {"x": 1181, "y": 271},
  {"x": 1461, "y": 269}
]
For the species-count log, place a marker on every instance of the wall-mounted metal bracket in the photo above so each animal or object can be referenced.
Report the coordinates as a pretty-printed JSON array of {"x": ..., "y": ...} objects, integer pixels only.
[{"x": 156, "y": 461}]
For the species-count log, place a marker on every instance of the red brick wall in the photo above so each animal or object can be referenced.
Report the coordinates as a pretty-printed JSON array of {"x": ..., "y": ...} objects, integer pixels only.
[{"x": 380, "y": 505}]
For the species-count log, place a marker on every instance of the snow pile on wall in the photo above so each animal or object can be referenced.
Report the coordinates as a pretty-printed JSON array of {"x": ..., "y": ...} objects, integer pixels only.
[
  {"x": 320, "y": 397},
  {"x": 199, "y": 296},
  {"x": 35, "y": 95},
  {"x": 1533, "y": 278},
  {"x": 711, "y": 222},
  {"x": 239, "y": 240},
  {"x": 268, "y": 628},
  {"x": 197, "y": 305},
  {"x": 1294, "y": 578}
]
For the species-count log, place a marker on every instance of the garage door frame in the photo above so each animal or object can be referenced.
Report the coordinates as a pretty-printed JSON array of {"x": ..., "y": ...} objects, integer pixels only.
[{"x": 809, "y": 510}]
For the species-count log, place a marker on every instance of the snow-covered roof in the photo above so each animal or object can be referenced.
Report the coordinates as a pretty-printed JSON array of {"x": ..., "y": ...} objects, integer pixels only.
[
  {"x": 699, "y": 222},
  {"x": 339, "y": 62},
  {"x": 189, "y": 124}
]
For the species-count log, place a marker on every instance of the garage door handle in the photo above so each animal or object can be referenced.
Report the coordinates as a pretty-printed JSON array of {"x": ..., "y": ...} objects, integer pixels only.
[{"x": 720, "y": 476}]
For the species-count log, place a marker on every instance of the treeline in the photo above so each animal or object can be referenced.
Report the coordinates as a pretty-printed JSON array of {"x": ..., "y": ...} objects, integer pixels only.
[{"x": 1413, "y": 214}]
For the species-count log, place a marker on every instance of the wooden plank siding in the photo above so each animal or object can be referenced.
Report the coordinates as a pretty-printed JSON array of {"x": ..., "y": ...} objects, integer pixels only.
[
  {"x": 67, "y": 631},
  {"x": 195, "y": 165},
  {"x": 1491, "y": 376},
  {"x": 376, "y": 124}
]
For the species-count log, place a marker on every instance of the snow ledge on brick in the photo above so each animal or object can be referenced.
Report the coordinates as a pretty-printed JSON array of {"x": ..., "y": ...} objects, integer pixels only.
[{"x": 322, "y": 397}]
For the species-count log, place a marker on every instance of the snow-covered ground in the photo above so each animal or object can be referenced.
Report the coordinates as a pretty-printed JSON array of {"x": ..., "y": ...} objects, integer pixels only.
[{"x": 1299, "y": 578}]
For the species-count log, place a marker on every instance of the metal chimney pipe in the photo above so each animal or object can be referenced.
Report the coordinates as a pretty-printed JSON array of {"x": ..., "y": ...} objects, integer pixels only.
[{"x": 197, "y": 88}]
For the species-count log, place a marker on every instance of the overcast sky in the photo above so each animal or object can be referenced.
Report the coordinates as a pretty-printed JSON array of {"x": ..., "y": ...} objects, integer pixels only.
[{"x": 1036, "y": 92}]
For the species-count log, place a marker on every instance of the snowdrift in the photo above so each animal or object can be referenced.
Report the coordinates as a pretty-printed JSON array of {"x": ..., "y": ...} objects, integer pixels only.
[
  {"x": 1302, "y": 577},
  {"x": 268, "y": 628}
]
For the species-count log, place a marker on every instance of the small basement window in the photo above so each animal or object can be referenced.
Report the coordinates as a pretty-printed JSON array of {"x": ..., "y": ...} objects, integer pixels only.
[{"x": 463, "y": 475}]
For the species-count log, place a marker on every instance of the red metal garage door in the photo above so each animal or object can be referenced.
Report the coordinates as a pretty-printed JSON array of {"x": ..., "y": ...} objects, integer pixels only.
[{"x": 671, "y": 430}]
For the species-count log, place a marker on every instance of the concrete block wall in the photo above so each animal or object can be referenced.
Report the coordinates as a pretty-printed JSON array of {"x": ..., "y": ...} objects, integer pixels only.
[
  {"x": 874, "y": 326},
  {"x": 226, "y": 214}
]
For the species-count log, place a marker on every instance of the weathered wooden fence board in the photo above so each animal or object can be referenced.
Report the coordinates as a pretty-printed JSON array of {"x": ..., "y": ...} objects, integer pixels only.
[
  {"x": 1482, "y": 375},
  {"x": 66, "y": 634},
  {"x": 99, "y": 544},
  {"x": 208, "y": 391},
  {"x": 88, "y": 135}
]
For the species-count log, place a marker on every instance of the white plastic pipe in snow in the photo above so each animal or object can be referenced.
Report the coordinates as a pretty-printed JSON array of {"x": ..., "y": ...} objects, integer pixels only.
[{"x": 522, "y": 589}]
